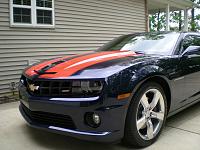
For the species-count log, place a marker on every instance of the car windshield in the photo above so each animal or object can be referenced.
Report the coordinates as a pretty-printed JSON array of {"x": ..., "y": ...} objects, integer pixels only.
[{"x": 146, "y": 43}]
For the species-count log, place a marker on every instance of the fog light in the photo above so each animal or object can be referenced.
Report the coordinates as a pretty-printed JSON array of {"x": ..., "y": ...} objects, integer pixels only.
[
  {"x": 96, "y": 118},
  {"x": 92, "y": 119}
]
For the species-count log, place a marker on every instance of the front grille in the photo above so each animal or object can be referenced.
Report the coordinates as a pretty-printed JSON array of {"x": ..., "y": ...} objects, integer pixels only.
[
  {"x": 56, "y": 88},
  {"x": 50, "y": 88},
  {"x": 49, "y": 119}
]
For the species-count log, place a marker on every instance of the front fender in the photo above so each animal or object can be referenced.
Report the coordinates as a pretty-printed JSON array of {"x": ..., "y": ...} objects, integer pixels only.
[{"x": 132, "y": 79}]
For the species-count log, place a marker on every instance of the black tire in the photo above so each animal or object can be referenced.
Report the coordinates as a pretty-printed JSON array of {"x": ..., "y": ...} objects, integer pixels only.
[{"x": 131, "y": 135}]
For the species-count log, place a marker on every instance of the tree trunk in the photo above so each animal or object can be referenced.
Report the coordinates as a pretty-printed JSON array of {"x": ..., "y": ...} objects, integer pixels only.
[
  {"x": 180, "y": 21},
  {"x": 158, "y": 18},
  {"x": 192, "y": 20}
]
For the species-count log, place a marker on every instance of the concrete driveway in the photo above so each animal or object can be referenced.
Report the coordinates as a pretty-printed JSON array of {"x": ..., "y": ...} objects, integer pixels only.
[{"x": 182, "y": 132}]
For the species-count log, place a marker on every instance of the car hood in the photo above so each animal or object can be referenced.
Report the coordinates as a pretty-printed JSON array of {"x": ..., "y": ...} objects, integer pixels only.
[{"x": 90, "y": 65}]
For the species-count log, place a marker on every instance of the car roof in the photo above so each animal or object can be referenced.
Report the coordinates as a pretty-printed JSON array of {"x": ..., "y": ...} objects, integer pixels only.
[
  {"x": 194, "y": 33},
  {"x": 166, "y": 32},
  {"x": 143, "y": 33}
]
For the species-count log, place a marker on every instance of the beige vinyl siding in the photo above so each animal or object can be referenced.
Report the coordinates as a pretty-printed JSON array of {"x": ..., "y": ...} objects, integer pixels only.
[{"x": 80, "y": 26}]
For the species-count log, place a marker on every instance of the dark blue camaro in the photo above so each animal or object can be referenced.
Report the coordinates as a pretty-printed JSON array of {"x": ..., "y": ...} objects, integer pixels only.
[{"x": 125, "y": 90}]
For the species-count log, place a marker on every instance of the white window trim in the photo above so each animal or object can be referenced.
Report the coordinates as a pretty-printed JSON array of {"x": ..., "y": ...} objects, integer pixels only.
[{"x": 33, "y": 8}]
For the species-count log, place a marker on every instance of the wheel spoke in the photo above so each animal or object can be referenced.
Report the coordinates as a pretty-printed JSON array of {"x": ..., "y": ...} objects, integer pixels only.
[
  {"x": 157, "y": 115},
  {"x": 150, "y": 114},
  {"x": 144, "y": 102},
  {"x": 150, "y": 129},
  {"x": 141, "y": 123},
  {"x": 155, "y": 100}
]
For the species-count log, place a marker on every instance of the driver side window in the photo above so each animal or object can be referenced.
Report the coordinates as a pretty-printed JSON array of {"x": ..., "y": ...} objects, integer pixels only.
[{"x": 191, "y": 40}]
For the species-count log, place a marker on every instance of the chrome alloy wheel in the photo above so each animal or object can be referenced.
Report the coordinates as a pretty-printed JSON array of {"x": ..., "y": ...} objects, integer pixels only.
[{"x": 150, "y": 114}]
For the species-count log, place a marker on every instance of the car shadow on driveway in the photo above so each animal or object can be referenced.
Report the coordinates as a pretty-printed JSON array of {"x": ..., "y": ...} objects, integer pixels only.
[
  {"x": 62, "y": 142},
  {"x": 187, "y": 120}
]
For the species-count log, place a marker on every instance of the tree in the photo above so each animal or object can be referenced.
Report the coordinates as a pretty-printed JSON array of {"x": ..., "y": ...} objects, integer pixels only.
[
  {"x": 176, "y": 18},
  {"x": 157, "y": 20}
]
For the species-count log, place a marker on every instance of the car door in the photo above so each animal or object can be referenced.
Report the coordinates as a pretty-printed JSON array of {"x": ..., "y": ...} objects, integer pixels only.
[{"x": 190, "y": 66}]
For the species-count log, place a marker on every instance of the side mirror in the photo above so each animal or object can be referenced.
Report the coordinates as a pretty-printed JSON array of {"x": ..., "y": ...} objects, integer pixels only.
[{"x": 191, "y": 50}]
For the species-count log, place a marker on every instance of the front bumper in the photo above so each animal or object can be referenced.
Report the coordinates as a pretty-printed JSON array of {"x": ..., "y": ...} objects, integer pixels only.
[{"x": 111, "y": 112}]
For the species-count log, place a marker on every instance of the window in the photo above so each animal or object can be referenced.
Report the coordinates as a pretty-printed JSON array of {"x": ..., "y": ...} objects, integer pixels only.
[
  {"x": 32, "y": 13},
  {"x": 191, "y": 40},
  {"x": 145, "y": 43}
]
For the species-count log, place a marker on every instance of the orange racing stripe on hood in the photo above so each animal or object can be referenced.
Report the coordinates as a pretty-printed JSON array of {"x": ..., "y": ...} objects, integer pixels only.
[
  {"x": 59, "y": 68},
  {"x": 72, "y": 66},
  {"x": 30, "y": 71}
]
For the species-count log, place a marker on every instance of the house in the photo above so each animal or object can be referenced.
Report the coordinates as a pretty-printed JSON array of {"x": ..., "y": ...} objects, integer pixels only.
[{"x": 32, "y": 30}]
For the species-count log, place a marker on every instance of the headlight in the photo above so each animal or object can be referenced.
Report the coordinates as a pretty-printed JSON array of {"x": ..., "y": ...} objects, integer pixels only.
[
  {"x": 87, "y": 87},
  {"x": 23, "y": 80}
]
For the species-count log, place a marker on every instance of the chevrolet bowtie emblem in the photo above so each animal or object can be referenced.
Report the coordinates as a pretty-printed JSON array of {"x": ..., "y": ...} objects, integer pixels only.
[{"x": 32, "y": 87}]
